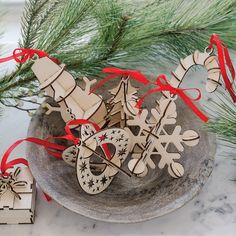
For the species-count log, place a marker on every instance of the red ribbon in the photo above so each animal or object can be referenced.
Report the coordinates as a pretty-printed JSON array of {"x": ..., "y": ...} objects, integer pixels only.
[
  {"x": 21, "y": 55},
  {"x": 137, "y": 75},
  {"x": 162, "y": 85},
  {"x": 224, "y": 60},
  {"x": 48, "y": 145},
  {"x": 6, "y": 165},
  {"x": 70, "y": 136}
]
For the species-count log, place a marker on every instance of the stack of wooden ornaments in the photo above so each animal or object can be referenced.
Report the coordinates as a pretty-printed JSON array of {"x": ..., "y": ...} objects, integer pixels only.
[
  {"x": 107, "y": 134},
  {"x": 100, "y": 154}
]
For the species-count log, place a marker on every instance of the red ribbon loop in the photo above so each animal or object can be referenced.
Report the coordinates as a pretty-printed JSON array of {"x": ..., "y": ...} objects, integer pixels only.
[
  {"x": 21, "y": 55},
  {"x": 70, "y": 136},
  {"x": 224, "y": 60},
  {"x": 163, "y": 85},
  {"x": 135, "y": 74},
  {"x": 5, "y": 165}
]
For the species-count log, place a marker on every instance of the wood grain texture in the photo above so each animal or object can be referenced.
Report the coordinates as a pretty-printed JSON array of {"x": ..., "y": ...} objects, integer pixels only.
[{"x": 126, "y": 200}]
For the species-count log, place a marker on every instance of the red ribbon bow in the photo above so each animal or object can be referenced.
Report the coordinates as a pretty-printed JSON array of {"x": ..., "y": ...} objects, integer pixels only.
[
  {"x": 21, "y": 55},
  {"x": 224, "y": 60},
  {"x": 69, "y": 135},
  {"x": 135, "y": 74},
  {"x": 163, "y": 85}
]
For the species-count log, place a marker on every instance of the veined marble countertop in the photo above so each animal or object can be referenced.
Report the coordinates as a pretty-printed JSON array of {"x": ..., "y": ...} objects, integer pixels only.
[{"x": 212, "y": 212}]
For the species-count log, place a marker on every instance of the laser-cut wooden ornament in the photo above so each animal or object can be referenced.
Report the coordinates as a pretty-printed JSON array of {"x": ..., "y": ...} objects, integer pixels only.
[
  {"x": 95, "y": 183},
  {"x": 122, "y": 104},
  {"x": 70, "y": 154},
  {"x": 74, "y": 102},
  {"x": 17, "y": 197},
  {"x": 157, "y": 139},
  {"x": 120, "y": 111}
]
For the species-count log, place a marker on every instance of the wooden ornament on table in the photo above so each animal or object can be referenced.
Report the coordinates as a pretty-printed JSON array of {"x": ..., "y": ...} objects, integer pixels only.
[
  {"x": 90, "y": 181},
  {"x": 122, "y": 104},
  {"x": 70, "y": 154},
  {"x": 74, "y": 102},
  {"x": 157, "y": 139},
  {"x": 17, "y": 197}
]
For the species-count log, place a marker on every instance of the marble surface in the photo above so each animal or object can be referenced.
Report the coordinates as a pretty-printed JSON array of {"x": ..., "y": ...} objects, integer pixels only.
[{"x": 211, "y": 213}]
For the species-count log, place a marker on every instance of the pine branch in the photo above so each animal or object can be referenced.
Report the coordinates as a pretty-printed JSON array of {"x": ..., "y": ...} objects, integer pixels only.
[
  {"x": 223, "y": 118},
  {"x": 88, "y": 35},
  {"x": 35, "y": 14}
]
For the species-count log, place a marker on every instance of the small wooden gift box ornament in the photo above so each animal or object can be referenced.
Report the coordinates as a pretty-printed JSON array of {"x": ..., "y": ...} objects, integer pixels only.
[{"x": 17, "y": 197}]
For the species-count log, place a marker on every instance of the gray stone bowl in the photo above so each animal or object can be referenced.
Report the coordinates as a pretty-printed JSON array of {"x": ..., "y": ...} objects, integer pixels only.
[{"x": 126, "y": 200}]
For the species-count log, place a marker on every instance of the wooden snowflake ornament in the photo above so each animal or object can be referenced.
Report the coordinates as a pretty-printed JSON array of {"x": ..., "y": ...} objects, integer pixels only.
[{"x": 158, "y": 140}]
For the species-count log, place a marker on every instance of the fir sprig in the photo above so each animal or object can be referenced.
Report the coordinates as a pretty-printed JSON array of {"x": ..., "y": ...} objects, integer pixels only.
[
  {"x": 223, "y": 120},
  {"x": 88, "y": 35}
]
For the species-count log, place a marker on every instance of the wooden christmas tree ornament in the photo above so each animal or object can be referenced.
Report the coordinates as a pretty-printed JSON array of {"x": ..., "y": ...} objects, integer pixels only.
[{"x": 122, "y": 104}]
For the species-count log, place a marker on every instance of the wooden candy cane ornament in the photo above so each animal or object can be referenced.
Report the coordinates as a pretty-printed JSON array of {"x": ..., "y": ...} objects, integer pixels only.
[
  {"x": 165, "y": 113},
  {"x": 205, "y": 59},
  {"x": 96, "y": 145}
]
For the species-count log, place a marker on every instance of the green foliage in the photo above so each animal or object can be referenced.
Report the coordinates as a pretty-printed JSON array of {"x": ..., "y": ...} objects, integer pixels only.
[
  {"x": 88, "y": 35},
  {"x": 223, "y": 118}
]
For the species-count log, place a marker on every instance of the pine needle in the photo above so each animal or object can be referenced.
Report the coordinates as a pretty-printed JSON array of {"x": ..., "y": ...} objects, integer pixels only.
[
  {"x": 223, "y": 118},
  {"x": 88, "y": 35}
]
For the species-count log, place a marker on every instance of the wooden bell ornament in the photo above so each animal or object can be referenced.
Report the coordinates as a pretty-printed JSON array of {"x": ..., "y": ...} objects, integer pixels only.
[{"x": 74, "y": 102}]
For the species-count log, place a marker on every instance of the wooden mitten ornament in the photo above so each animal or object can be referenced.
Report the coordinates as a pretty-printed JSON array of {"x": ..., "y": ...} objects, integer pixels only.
[
  {"x": 70, "y": 154},
  {"x": 90, "y": 181},
  {"x": 74, "y": 102}
]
